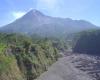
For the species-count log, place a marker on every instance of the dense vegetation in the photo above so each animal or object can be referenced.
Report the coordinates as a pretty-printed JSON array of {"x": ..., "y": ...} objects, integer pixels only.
[
  {"x": 25, "y": 58},
  {"x": 88, "y": 42}
]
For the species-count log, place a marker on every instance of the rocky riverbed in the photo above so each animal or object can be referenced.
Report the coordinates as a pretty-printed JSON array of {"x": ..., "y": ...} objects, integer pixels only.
[
  {"x": 89, "y": 64},
  {"x": 74, "y": 67}
]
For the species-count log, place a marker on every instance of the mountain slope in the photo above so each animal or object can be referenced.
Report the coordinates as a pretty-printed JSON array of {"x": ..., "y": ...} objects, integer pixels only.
[{"x": 36, "y": 22}]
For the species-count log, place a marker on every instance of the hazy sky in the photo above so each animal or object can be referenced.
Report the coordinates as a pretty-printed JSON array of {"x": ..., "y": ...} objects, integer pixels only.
[{"x": 76, "y": 9}]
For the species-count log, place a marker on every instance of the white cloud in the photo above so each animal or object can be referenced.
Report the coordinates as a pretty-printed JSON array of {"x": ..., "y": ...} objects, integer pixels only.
[{"x": 18, "y": 14}]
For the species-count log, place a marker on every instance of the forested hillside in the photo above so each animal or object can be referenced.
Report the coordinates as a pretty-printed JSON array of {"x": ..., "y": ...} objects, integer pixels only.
[
  {"x": 88, "y": 42},
  {"x": 25, "y": 58}
]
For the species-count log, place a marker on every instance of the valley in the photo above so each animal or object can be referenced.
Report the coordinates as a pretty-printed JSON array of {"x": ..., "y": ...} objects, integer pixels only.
[
  {"x": 49, "y": 40},
  {"x": 37, "y": 47}
]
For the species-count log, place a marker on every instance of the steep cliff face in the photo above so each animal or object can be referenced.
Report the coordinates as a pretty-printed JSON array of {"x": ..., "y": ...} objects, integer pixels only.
[
  {"x": 88, "y": 42},
  {"x": 25, "y": 59}
]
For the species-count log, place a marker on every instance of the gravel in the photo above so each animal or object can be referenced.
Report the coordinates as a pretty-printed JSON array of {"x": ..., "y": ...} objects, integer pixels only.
[{"x": 70, "y": 68}]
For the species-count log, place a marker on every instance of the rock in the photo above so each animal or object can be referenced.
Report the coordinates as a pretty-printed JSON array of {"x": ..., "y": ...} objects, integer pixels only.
[{"x": 64, "y": 69}]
